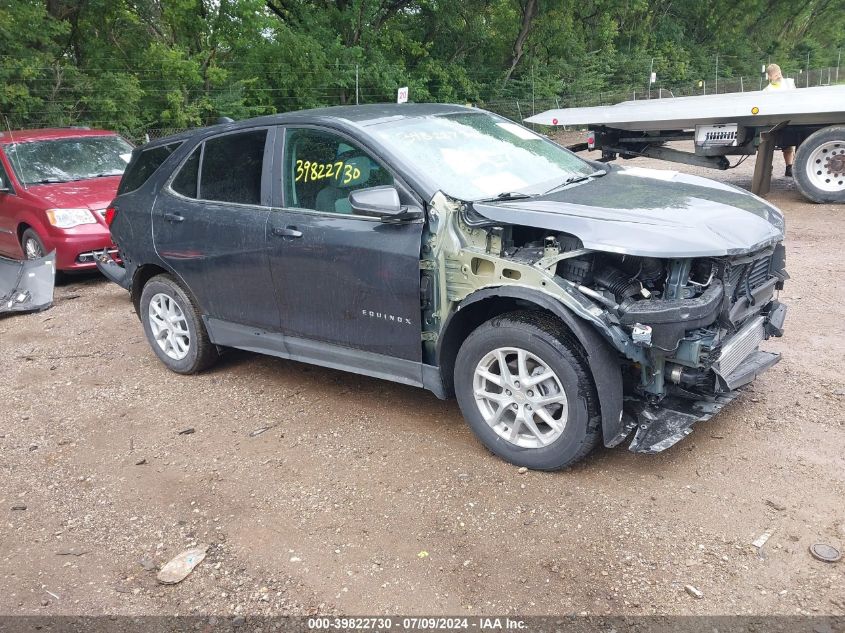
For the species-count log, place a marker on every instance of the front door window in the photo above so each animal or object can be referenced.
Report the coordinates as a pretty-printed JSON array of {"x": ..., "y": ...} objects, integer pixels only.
[{"x": 323, "y": 169}]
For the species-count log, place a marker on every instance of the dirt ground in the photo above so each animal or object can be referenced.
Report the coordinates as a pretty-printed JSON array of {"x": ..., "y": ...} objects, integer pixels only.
[{"x": 367, "y": 497}]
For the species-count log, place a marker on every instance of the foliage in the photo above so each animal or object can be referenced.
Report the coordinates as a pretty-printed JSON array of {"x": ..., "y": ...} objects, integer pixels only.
[{"x": 133, "y": 65}]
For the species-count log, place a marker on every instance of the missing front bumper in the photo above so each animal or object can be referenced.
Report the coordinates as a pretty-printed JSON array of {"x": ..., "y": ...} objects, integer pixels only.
[
  {"x": 27, "y": 285},
  {"x": 664, "y": 426},
  {"x": 660, "y": 427}
]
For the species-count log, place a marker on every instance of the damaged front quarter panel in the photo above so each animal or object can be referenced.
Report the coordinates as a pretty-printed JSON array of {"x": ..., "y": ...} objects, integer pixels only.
[
  {"x": 27, "y": 285},
  {"x": 681, "y": 331},
  {"x": 473, "y": 265}
]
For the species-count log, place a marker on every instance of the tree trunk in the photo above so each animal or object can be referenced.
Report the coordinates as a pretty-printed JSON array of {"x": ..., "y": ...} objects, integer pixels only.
[{"x": 529, "y": 12}]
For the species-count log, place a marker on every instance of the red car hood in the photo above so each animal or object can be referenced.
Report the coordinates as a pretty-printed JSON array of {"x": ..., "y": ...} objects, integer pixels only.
[{"x": 95, "y": 193}]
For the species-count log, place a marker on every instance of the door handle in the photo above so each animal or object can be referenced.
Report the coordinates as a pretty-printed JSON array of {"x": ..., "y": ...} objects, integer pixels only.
[
  {"x": 288, "y": 231},
  {"x": 173, "y": 217}
]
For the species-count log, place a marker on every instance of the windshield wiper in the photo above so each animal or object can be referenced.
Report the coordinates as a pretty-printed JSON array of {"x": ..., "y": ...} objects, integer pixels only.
[
  {"x": 573, "y": 179},
  {"x": 102, "y": 175},
  {"x": 47, "y": 181},
  {"x": 506, "y": 195}
]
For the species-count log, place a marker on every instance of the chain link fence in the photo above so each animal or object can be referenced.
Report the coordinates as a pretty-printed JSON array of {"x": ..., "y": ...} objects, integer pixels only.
[{"x": 518, "y": 109}]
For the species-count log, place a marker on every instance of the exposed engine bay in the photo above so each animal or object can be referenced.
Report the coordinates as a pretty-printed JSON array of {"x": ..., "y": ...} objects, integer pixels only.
[
  {"x": 687, "y": 330},
  {"x": 699, "y": 321}
]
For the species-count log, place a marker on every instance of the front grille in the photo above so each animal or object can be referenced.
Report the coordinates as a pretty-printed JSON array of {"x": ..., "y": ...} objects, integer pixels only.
[
  {"x": 758, "y": 272},
  {"x": 748, "y": 276}
]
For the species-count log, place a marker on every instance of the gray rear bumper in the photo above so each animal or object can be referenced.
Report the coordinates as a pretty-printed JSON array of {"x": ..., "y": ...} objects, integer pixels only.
[{"x": 111, "y": 270}]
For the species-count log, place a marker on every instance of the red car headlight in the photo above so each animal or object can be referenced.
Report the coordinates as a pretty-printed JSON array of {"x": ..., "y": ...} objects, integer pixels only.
[{"x": 68, "y": 218}]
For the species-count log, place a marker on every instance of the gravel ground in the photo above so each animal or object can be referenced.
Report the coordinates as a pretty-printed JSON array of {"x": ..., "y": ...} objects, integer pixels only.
[{"x": 363, "y": 496}]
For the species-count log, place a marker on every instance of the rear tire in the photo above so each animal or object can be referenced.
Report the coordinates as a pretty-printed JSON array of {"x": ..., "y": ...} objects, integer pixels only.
[
  {"x": 819, "y": 170},
  {"x": 174, "y": 328},
  {"x": 540, "y": 423}
]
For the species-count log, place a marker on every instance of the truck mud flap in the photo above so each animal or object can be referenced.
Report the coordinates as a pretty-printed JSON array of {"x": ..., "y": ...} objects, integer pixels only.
[
  {"x": 27, "y": 285},
  {"x": 661, "y": 427}
]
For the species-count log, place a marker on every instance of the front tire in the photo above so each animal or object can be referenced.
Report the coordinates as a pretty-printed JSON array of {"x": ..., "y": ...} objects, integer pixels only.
[
  {"x": 31, "y": 245},
  {"x": 819, "y": 170},
  {"x": 524, "y": 386},
  {"x": 174, "y": 327}
]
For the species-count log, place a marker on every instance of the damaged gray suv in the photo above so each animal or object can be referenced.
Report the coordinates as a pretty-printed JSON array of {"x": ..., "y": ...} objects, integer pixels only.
[{"x": 563, "y": 302}]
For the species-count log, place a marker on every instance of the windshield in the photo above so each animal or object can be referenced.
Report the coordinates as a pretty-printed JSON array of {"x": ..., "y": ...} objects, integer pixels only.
[
  {"x": 69, "y": 159},
  {"x": 477, "y": 155}
]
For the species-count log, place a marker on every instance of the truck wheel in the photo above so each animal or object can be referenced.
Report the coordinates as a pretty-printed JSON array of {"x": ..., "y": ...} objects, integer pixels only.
[
  {"x": 819, "y": 170},
  {"x": 174, "y": 327},
  {"x": 524, "y": 387}
]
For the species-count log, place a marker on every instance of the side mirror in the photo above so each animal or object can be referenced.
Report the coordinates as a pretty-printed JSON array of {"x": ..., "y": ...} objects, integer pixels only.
[
  {"x": 382, "y": 202},
  {"x": 4, "y": 188}
]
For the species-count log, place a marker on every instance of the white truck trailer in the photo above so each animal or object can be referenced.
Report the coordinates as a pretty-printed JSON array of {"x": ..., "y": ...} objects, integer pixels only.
[{"x": 722, "y": 125}]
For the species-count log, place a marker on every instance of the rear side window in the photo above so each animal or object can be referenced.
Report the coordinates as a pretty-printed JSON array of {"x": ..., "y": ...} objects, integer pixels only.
[
  {"x": 232, "y": 167},
  {"x": 187, "y": 180},
  {"x": 144, "y": 166}
]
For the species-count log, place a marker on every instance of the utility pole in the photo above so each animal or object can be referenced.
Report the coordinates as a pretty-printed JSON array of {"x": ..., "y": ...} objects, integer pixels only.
[
  {"x": 532, "y": 89},
  {"x": 650, "y": 76},
  {"x": 717, "y": 73},
  {"x": 838, "y": 59},
  {"x": 808, "y": 69},
  {"x": 356, "y": 84}
]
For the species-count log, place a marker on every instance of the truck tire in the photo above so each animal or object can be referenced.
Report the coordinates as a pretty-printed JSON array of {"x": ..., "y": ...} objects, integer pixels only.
[
  {"x": 174, "y": 327},
  {"x": 819, "y": 170},
  {"x": 523, "y": 384}
]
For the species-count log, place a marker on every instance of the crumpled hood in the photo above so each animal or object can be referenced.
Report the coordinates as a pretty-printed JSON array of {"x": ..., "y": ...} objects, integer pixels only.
[
  {"x": 650, "y": 213},
  {"x": 93, "y": 194}
]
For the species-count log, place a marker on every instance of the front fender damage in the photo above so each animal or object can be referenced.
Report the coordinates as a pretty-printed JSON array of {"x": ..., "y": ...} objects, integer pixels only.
[
  {"x": 669, "y": 341},
  {"x": 603, "y": 362},
  {"x": 468, "y": 262}
]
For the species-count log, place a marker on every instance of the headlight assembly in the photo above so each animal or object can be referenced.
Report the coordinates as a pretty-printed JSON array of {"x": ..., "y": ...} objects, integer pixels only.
[{"x": 68, "y": 218}]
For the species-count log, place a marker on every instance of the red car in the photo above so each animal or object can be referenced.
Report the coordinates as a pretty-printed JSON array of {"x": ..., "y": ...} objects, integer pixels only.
[{"x": 55, "y": 185}]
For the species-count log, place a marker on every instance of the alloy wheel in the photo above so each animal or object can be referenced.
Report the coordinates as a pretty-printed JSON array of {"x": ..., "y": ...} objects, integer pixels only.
[
  {"x": 169, "y": 326},
  {"x": 520, "y": 397}
]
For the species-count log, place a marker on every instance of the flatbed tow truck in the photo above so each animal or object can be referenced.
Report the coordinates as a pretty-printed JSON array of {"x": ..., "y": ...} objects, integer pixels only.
[{"x": 722, "y": 125}]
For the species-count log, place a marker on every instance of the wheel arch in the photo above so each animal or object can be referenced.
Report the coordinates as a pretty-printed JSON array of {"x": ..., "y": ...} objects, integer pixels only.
[
  {"x": 140, "y": 278},
  {"x": 485, "y": 304},
  {"x": 22, "y": 227}
]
